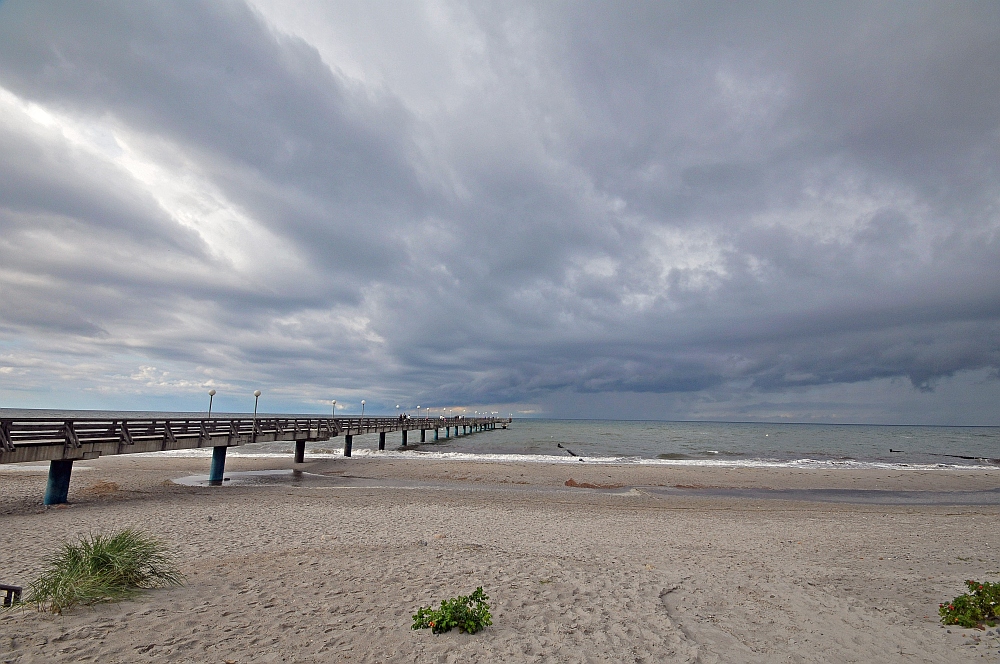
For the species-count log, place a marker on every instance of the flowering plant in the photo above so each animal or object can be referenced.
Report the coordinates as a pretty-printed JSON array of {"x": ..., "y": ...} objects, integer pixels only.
[
  {"x": 469, "y": 613},
  {"x": 980, "y": 605}
]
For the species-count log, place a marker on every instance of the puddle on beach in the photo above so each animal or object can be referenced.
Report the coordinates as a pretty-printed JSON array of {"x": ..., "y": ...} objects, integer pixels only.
[
  {"x": 855, "y": 496},
  {"x": 265, "y": 478},
  {"x": 298, "y": 478}
]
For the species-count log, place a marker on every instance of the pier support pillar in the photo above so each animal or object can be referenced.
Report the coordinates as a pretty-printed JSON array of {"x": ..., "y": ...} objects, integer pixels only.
[
  {"x": 423, "y": 435},
  {"x": 348, "y": 442},
  {"x": 381, "y": 440},
  {"x": 300, "y": 451},
  {"x": 404, "y": 437},
  {"x": 447, "y": 432},
  {"x": 57, "y": 489},
  {"x": 435, "y": 434},
  {"x": 218, "y": 465}
]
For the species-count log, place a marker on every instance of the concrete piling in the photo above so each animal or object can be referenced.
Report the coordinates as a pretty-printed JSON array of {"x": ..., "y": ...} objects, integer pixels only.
[
  {"x": 57, "y": 488},
  {"x": 215, "y": 475}
]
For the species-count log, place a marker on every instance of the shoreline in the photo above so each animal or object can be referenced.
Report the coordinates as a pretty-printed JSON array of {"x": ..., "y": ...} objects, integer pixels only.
[
  {"x": 574, "y": 573},
  {"x": 415, "y": 453}
]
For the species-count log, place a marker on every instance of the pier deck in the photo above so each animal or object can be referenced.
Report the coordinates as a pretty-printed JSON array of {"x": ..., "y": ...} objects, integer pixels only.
[{"x": 45, "y": 439}]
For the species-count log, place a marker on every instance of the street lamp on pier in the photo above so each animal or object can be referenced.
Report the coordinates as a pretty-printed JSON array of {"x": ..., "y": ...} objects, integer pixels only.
[
  {"x": 363, "y": 408},
  {"x": 211, "y": 395},
  {"x": 256, "y": 398},
  {"x": 334, "y": 407}
]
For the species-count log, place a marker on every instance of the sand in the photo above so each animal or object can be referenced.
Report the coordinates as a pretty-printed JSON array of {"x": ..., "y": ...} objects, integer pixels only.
[{"x": 332, "y": 572}]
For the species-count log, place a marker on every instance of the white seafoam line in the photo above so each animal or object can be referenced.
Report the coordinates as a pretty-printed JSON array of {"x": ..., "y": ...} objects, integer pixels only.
[{"x": 540, "y": 458}]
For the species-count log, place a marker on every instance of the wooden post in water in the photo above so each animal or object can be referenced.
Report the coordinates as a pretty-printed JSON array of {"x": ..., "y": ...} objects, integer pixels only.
[
  {"x": 381, "y": 440},
  {"x": 57, "y": 489},
  {"x": 300, "y": 451},
  {"x": 218, "y": 465},
  {"x": 348, "y": 442}
]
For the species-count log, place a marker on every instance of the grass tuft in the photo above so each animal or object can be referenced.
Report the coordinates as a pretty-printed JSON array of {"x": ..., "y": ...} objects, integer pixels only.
[{"x": 103, "y": 568}]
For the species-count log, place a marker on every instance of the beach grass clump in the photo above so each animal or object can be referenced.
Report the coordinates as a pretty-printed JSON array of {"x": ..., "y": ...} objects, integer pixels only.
[
  {"x": 974, "y": 608},
  {"x": 103, "y": 568},
  {"x": 469, "y": 613}
]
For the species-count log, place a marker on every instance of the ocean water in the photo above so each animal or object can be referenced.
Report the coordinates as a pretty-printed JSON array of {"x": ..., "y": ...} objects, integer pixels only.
[
  {"x": 699, "y": 443},
  {"x": 653, "y": 442}
]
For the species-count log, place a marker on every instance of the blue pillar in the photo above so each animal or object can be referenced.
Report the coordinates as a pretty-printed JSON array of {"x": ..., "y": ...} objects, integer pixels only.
[
  {"x": 381, "y": 440},
  {"x": 300, "y": 451},
  {"x": 404, "y": 437},
  {"x": 218, "y": 465},
  {"x": 348, "y": 442},
  {"x": 423, "y": 435},
  {"x": 57, "y": 490},
  {"x": 435, "y": 434}
]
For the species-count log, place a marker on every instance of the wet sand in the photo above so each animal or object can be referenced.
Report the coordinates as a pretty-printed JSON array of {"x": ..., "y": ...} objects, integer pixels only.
[{"x": 583, "y": 563}]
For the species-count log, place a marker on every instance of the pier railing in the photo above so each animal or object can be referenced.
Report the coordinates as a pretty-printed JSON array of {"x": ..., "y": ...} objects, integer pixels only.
[{"x": 47, "y": 439}]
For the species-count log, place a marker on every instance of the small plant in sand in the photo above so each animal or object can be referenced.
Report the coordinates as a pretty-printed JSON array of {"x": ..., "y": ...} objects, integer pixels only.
[
  {"x": 469, "y": 613},
  {"x": 103, "y": 568},
  {"x": 980, "y": 605}
]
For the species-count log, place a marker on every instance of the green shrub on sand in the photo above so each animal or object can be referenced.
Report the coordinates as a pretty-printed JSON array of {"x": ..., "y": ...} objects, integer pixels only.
[
  {"x": 980, "y": 605},
  {"x": 103, "y": 568},
  {"x": 469, "y": 613}
]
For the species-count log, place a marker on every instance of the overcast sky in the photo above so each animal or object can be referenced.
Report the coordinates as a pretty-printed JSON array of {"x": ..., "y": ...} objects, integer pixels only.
[{"x": 687, "y": 210}]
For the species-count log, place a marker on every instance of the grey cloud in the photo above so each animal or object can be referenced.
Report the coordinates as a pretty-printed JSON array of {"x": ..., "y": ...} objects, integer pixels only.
[{"x": 702, "y": 201}]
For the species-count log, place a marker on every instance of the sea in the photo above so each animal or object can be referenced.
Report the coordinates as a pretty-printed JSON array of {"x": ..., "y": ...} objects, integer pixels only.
[{"x": 734, "y": 444}]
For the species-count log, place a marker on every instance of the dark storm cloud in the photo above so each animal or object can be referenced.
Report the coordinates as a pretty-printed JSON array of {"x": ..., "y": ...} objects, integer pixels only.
[{"x": 501, "y": 204}]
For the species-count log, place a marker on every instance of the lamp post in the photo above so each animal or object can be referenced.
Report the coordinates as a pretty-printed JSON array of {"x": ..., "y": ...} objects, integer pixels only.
[
  {"x": 334, "y": 407},
  {"x": 363, "y": 408},
  {"x": 211, "y": 395},
  {"x": 418, "y": 412},
  {"x": 256, "y": 397}
]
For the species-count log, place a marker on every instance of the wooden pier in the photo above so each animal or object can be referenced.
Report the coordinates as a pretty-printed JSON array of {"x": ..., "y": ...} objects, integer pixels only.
[{"x": 61, "y": 442}]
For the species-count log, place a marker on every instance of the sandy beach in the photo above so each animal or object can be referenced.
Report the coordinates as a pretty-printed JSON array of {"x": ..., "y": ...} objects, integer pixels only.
[{"x": 582, "y": 563}]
